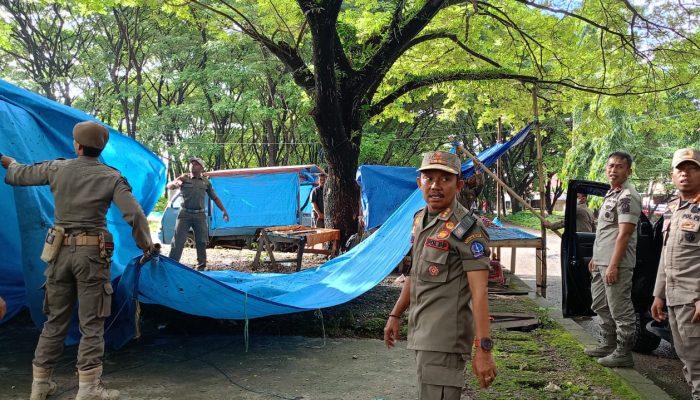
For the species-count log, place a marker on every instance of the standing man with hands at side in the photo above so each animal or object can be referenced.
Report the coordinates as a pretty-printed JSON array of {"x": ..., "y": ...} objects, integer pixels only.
[
  {"x": 446, "y": 288},
  {"x": 612, "y": 265},
  {"x": 78, "y": 251},
  {"x": 317, "y": 202},
  {"x": 193, "y": 187},
  {"x": 678, "y": 276}
]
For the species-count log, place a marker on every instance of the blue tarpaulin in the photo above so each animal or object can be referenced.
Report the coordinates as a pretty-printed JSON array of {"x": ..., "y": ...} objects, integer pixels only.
[
  {"x": 34, "y": 129},
  {"x": 256, "y": 200},
  {"x": 384, "y": 188}
]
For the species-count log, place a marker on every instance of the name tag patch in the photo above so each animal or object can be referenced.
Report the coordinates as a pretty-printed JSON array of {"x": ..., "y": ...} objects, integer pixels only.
[{"x": 439, "y": 244}]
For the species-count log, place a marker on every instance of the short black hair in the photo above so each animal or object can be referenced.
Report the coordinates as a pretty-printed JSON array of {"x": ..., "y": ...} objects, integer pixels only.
[
  {"x": 91, "y": 151},
  {"x": 623, "y": 155}
]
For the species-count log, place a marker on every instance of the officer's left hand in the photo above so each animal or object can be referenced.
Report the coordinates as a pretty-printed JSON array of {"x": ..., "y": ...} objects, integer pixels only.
[
  {"x": 484, "y": 368},
  {"x": 696, "y": 316},
  {"x": 6, "y": 161},
  {"x": 611, "y": 274}
]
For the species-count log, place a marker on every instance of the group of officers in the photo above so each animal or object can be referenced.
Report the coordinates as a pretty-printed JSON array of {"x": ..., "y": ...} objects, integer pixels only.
[{"x": 445, "y": 292}]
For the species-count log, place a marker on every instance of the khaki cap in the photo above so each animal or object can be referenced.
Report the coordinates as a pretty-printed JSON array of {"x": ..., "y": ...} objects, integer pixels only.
[
  {"x": 91, "y": 134},
  {"x": 198, "y": 161},
  {"x": 441, "y": 160},
  {"x": 684, "y": 155}
]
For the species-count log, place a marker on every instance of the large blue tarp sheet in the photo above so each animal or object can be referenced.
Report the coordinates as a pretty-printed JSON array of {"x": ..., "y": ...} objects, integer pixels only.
[
  {"x": 34, "y": 129},
  {"x": 256, "y": 200},
  {"x": 384, "y": 188}
]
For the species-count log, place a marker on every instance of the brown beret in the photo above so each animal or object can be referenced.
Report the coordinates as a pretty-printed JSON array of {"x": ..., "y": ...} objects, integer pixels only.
[{"x": 91, "y": 134}]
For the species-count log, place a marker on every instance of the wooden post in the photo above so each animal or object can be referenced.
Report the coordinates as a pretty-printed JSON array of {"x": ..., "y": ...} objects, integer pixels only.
[
  {"x": 478, "y": 164},
  {"x": 541, "y": 273}
]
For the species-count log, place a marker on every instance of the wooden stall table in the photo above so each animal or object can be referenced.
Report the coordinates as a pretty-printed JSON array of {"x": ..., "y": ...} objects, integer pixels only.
[{"x": 303, "y": 237}]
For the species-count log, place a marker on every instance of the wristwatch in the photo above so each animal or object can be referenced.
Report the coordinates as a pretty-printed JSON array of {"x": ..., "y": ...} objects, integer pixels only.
[{"x": 486, "y": 344}]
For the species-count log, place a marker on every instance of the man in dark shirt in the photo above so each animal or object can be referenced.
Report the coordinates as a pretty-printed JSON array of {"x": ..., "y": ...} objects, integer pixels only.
[{"x": 317, "y": 202}]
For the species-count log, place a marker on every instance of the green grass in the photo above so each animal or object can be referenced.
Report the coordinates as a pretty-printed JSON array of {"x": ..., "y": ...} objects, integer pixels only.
[
  {"x": 528, "y": 220},
  {"x": 547, "y": 363}
]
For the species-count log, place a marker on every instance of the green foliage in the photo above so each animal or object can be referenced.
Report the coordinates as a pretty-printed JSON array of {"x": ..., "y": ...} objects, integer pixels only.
[{"x": 528, "y": 220}]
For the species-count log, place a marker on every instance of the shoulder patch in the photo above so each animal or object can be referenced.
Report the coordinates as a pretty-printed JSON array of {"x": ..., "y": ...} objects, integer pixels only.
[
  {"x": 478, "y": 249},
  {"x": 464, "y": 226}
]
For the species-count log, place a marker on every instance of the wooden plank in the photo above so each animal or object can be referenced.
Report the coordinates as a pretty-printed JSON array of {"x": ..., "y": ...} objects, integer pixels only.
[{"x": 525, "y": 243}]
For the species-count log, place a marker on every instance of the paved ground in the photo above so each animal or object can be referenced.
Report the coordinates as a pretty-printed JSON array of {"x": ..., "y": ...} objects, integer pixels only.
[
  {"x": 661, "y": 366},
  {"x": 163, "y": 366}
]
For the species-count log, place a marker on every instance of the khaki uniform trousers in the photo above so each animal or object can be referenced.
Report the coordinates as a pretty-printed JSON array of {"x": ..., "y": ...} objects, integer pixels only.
[
  {"x": 198, "y": 223},
  {"x": 440, "y": 375},
  {"x": 78, "y": 273},
  {"x": 613, "y": 304},
  {"x": 686, "y": 341}
]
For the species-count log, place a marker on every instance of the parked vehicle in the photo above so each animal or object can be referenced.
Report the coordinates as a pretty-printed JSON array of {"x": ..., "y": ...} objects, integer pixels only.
[
  {"x": 577, "y": 250},
  {"x": 255, "y": 198}
]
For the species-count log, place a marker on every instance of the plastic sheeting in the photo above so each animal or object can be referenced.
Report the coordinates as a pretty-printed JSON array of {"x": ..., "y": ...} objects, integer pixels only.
[
  {"x": 384, "y": 188},
  {"x": 34, "y": 129},
  {"x": 239, "y": 295},
  {"x": 256, "y": 200}
]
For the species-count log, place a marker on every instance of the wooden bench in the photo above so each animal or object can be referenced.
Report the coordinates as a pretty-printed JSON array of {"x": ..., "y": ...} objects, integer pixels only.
[{"x": 301, "y": 236}]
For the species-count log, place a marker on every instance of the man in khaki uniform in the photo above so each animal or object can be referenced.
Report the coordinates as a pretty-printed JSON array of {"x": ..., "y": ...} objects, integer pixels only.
[
  {"x": 585, "y": 221},
  {"x": 678, "y": 277},
  {"x": 83, "y": 189},
  {"x": 612, "y": 265},
  {"x": 449, "y": 271},
  {"x": 193, "y": 187}
]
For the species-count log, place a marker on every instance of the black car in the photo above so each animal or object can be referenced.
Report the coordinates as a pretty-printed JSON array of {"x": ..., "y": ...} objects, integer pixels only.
[{"x": 577, "y": 250}]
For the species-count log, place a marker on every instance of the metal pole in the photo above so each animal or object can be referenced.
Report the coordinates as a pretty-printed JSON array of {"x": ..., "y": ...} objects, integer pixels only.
[{"x": 541, "y": 273}]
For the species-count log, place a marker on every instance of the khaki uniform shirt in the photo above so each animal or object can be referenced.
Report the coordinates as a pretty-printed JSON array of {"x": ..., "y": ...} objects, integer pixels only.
[
  {"x": 621, "y": 205},
  {"x": 83, "y": 190},
  {"x": 193, "y": 190},
  {"x": 585, "y": 221},
  {"x": 440, "y": 316},
  {"x": 678, "y": 277}
]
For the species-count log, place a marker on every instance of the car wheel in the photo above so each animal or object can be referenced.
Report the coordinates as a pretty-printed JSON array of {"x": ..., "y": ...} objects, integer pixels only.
[{"x": 646, "y": 341}]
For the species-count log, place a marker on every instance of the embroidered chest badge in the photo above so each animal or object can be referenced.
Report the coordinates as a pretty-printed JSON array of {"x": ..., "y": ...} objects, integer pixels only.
[
  {"x": 450, "y": 225},
  {"x": 443, "y": 234},
  {"x": 478, "y": 249},
  {"x": 433, "y": 270}
]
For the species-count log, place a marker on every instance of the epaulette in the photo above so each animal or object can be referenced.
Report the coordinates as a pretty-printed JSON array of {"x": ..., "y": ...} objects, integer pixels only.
[{"x": 464, "y": 226}]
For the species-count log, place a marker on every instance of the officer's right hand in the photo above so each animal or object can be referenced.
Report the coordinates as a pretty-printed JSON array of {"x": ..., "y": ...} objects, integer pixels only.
[
  {"x": 657, "y": 309},
  {"x": 591, "y": 266},
  {"x": 696, "y": 316},
  {"x": 391, "y": 331}
]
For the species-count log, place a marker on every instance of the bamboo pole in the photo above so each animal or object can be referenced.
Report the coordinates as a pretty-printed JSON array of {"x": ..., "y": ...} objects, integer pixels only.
[
  {"x": 541, "y": 272},
  {"x": 478, "y": 164},
  {"x": 499, "y": 173}
]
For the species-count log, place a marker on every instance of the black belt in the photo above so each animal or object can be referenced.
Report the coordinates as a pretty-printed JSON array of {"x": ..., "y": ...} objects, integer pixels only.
[{"x": 194, "y": 211}]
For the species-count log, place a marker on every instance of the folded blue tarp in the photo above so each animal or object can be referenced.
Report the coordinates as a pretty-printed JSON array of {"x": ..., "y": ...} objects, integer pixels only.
[{"x": 34, "y": 129}]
